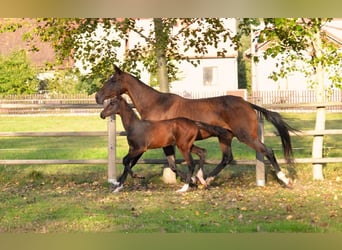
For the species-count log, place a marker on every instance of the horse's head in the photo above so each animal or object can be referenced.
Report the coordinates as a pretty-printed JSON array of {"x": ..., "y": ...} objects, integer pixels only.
[
  {"x": 112, "y": 108},
  {"x": 112, "y": 87}
]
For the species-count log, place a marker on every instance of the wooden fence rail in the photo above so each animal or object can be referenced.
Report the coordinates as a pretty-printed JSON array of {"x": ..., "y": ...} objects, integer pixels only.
[{"x": 112, "y": 163}]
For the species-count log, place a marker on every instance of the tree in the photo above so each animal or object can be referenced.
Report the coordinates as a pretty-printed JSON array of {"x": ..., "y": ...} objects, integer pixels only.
[
  {"x": 80, "y": 39},
  {"x": 304, "y": 40},
  {"x": 157, "y": 50},
  {"x": 244, "y": 64},
  {"x": 17, "y": 75}
]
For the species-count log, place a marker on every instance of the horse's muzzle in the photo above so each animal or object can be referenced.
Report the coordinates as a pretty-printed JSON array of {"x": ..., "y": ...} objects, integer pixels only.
[{"x": 102, "y": 115}]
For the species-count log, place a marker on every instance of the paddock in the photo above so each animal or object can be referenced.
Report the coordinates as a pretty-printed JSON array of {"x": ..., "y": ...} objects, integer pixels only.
[{"x": 86, "y": 105}]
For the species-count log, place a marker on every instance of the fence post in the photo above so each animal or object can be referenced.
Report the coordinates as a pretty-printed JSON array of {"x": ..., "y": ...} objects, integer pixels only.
[
  {"x": 317, "y": 144},
  {"x": 260, "y": 165},
  {"x": 111, "y": 126}
]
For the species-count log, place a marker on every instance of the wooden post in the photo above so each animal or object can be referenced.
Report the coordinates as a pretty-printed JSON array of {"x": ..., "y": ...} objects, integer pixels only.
[
  {"x": 111, "y": 126},
  {"x": 260, "y": 165},
  {"x": 317, "y": 145}
]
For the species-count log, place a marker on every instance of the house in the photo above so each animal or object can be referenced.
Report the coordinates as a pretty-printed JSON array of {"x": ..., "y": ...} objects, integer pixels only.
[
  {"x": 13, "y": 41},
  {"x": 296, "y": 80},
  {"x": 213, "y": 76}
]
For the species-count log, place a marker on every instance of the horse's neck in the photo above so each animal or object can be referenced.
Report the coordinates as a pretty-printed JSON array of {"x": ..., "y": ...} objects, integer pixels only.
[
  {"x": 127, "y": 114},
  {"x": 141, "y": 94}
]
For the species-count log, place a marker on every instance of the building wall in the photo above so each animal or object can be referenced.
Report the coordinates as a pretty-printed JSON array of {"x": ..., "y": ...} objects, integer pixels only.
[
  {"x": 294, "y": 81},
  {"x": 218, "y": 74},
  {"x": 264, "y": 68}
]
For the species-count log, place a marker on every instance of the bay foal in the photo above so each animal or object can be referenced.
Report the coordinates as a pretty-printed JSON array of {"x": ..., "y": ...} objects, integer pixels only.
[{"x": 144, "y": 134}]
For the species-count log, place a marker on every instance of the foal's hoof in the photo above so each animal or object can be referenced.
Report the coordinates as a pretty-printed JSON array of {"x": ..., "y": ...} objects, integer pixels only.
[
  {"x": 209, "y": 180},
  {"x": 118, "y": 189},
  {"x": 138, "y": 176}
]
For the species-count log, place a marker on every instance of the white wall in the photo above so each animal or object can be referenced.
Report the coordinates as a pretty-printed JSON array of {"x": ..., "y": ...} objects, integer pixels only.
[
  {"x": 294, "y": 81},
  {"x": 192, "y": 79}
]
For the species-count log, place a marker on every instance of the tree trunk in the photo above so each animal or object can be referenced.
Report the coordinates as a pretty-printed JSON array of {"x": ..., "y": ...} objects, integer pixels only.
[{"x": 160, "y": 49}]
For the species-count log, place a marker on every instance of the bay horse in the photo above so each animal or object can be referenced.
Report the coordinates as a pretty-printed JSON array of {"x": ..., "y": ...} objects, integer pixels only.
[
  {"x": 145, "y": 134},
  {"x": 230, "y": 112}
]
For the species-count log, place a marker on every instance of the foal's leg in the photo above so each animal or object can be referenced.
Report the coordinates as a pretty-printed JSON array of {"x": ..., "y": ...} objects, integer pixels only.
[
  {"x": 201, "y": 152},
  {"x": 227, "y": 156},
  {"x": 128, "y": 161},
  {"x": 131, "y": 164},
  {"x": 191, "y": 168}
]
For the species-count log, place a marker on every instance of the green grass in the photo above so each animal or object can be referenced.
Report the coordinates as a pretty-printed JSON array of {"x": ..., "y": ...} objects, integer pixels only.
[{"x": 76, "y": 198}]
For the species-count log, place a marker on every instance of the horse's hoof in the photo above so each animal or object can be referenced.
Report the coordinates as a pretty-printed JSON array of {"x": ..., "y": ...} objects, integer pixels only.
[
  {"x": 290, "y": 185},
  {"x": 183, "y": 189},
  {"x": 209, "y": 180},
  {"x": 193, "y": 180}
]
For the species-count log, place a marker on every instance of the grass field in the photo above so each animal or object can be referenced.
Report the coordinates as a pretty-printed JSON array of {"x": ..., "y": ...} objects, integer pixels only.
[{"x": 76, "y": 198}]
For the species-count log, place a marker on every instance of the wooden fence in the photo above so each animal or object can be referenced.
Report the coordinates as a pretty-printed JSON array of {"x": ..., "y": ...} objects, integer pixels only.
[
  {"x": 112, "y": 133},
  {"x": 296, "y": 100}
]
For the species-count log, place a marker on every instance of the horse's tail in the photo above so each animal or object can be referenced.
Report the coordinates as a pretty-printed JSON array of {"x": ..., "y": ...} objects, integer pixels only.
[
  {"x": 212, "y": 129},
  {"x": 283, "y": 129}
]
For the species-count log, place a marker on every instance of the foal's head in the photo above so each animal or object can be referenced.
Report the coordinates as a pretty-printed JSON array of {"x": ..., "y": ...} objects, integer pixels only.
[
  {"x": 112, "y": 87},
  {"x": 112, "y": 108}
]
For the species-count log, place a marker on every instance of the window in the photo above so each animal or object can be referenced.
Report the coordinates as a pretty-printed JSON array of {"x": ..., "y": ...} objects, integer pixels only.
[{"x": 209, "y": 76}]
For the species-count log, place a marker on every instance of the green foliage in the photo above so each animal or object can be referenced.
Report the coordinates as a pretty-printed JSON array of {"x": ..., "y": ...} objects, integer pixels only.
[
  {"x": 63, "y": 82},
  {"x": 17, "y": 75},
  {"x": 7, "y": 25},
  {"x": 244, "y": 64},
  {"x": 298, "y": 39},
  {"x": 77, "y": 37}
]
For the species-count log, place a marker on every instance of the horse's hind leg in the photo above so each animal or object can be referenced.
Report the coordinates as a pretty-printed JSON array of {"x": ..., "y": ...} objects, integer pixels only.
[
  {"x": 280, "y": 174},
  {"x": 261, "y": 148}
]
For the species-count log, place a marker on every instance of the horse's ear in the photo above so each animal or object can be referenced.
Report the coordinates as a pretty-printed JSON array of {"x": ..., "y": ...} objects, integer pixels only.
[{"x": 117, "y": 69}]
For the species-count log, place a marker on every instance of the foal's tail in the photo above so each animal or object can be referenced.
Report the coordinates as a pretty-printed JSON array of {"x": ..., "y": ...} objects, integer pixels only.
[
  {"x": 212, "y": 129},
  {"x": 283, "y": 129}
]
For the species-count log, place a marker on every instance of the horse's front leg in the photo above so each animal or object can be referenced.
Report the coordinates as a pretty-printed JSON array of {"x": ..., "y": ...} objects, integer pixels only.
[
  {"x": 132, "y": 164},
  {"x": 128, "y": 161}
]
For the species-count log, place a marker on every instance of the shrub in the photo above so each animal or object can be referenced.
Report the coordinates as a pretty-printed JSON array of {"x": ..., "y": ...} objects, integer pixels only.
[{"x": 17, "y": 75}]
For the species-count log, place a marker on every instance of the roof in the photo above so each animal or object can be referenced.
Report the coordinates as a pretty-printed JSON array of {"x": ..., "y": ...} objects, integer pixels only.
[
  {"x": 332, "y": 29},
  {"x": 13, "y": 41}
]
